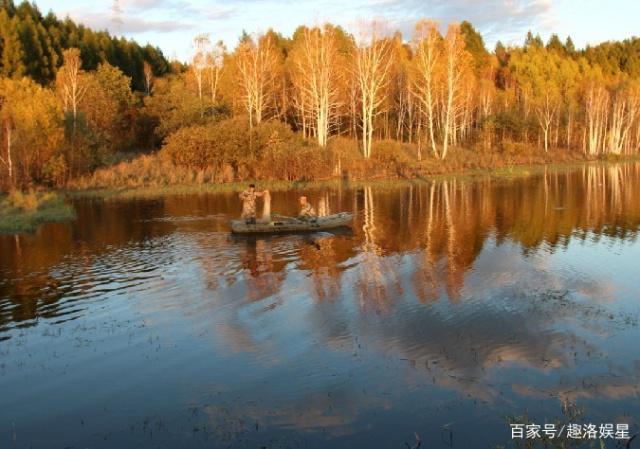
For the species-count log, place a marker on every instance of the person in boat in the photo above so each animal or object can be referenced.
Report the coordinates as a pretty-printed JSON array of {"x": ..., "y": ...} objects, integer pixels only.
[
  {"x": 248, "y": 198},
  {"x": 307, "y": 212}
]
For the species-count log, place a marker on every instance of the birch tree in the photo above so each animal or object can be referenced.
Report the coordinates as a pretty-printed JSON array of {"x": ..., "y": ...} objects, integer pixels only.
[
  {"x": 624, "y": 115},
  {"x": 427, "y": 47},
  {"x": 148, "y": 76},
  {"x": 486, "y": 92},
  {"x": 6, "y": 120},
  {"x": 199, "y": 62},
  {"x": 596, "y": 104},
  {"x": 215, "y": 60},
  {"x": 455, "y": 61},
  {"x": 402, "y": 91},
  {"x": 257, "y": 64},
  {"x": 315, "y": 76},
  {"x": 371, "y": 69},
  {"x": 69, "y": 83}
]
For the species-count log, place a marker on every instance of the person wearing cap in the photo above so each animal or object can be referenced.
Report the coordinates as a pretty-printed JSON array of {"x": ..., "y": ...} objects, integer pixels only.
[
  {"x": 307, "y": 212},
  {"x": 248, "y": 198}
]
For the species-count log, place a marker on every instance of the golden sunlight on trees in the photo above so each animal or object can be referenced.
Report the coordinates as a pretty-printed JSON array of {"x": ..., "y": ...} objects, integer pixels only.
[
  {"x": 625, "y": 110},
  {"x": 148, "y": 77},
  {"x": 6, "y": 120},
  {"x": 427, "y": 54},
  {"x": 31, "y": 132},
  {"x": 69, "y": 83},
  {"x": 315, "y": 75},
  {"x": 370, "y": 103},
  {"x": 539, "y": 71},
  {"x": 258, "y": 64},
  {"x": 596, "y": 108},
  {"x": 215, "y": 61},
  {"x": 199, "y": 63},
  {"x": 105, "y": 107},
  {"x": 371, "y": 67},
  {"x": 457, "y": 64}
]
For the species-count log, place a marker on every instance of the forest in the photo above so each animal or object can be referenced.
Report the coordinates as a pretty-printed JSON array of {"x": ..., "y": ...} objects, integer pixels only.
[{"x": 83, "y": 109}]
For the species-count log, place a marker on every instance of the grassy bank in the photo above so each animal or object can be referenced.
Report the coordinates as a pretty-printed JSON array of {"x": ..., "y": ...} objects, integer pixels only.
[
  {"x": 140, "y": 178},
  {"x": 24, "y": 212}
]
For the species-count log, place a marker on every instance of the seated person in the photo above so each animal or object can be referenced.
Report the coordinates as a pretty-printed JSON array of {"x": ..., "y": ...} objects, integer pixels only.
[{"x": 307, "y": 212}]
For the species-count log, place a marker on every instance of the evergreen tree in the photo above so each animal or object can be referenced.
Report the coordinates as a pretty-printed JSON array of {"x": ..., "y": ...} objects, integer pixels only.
[
  {"x": 474, "y": 45},
  {"x": 31, "y": 44},
  {"x": 555, "y": 44},
  {"x": 569, "y": 46},
  {"x": 532, "y": 41}
]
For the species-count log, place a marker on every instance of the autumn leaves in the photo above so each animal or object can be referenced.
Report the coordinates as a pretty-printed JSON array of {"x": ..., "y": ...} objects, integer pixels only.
[{"x": 330, "y": 82}]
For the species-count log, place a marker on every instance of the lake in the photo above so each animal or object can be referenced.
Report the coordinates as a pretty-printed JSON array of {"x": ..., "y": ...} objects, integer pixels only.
[{"x": 451, "y": 310}]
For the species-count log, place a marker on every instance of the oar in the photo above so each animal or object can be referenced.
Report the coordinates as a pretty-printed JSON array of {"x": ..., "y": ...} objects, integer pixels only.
[{"x": 285, "y": 217}]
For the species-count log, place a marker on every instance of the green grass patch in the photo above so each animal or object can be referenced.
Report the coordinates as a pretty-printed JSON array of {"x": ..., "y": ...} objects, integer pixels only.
[{"x": 25, "y": 211}]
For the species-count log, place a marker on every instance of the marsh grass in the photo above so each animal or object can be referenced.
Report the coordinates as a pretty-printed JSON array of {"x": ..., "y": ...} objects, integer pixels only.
[
  {"x": 342, "y": 161},
  {"x": 136, "y": 188},
  {"x": 25, "y": 211}
]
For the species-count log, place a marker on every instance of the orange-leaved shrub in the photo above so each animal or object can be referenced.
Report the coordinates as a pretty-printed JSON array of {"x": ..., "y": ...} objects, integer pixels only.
[{"x": 270, "y": 150}]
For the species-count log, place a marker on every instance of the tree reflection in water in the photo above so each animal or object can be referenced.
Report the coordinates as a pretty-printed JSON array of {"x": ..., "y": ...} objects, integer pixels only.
[{"x": 446, "y": 296}]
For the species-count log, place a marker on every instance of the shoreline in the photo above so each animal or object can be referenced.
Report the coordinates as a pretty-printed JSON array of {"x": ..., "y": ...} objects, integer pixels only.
[
  {"x": 14, "y": 220},
  {"x": 24, "y": 213},
  {"x": 501, "y": 173}
]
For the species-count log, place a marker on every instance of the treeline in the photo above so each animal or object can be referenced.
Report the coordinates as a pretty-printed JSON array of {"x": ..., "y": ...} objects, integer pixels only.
[
  {"x": 312, "y": 105},
  {"x": 31, "y": 45},
  {"x": 435, "y": 90}
]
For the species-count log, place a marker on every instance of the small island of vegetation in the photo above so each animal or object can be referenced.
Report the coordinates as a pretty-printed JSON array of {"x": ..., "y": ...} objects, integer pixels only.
[{"x": 24, "y": 212}]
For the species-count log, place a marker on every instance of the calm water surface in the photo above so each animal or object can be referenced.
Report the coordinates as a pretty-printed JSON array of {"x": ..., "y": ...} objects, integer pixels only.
[{"x": 451, "y": 308}]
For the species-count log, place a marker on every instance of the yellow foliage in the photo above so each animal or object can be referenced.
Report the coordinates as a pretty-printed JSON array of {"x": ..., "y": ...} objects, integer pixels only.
[{"x": 36, "y": 118}]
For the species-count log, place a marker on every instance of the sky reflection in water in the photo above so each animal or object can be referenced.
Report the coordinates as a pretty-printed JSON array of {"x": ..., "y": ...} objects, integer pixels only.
[{"x": 451, "y": 306}]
